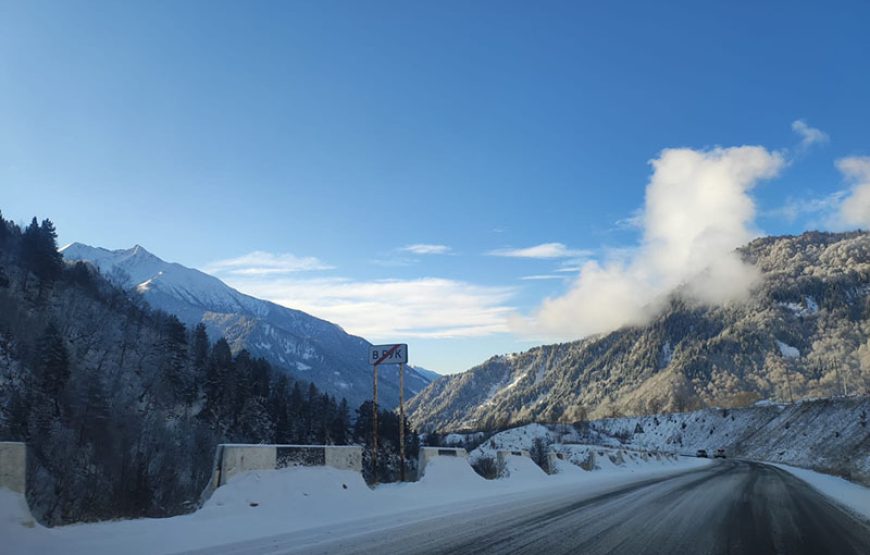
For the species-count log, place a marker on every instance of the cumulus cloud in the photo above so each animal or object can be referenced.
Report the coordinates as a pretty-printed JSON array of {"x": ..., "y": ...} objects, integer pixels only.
[
  {"x": 697, "y": 211},
  {"x": 542, "y": 251},
  {"x": 855, "y": 208},
  {"x": 424, "y": 248},
  {"x": 390, "y": 309},
  {"x": 260, "y": 263},
  {"x": 809, "y": 135}
]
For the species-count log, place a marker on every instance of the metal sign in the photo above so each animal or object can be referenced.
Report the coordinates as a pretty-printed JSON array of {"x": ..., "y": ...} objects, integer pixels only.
[{"x": 388, "y": 354}]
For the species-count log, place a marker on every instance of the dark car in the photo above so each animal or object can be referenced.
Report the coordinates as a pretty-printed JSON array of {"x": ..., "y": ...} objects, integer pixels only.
[
  {"x": 720, "y": 454},
  {"x": 702, "y": 453}
]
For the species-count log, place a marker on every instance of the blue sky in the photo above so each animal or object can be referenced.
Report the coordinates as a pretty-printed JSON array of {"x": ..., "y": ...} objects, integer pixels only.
[{"x": 300, "y": 150}]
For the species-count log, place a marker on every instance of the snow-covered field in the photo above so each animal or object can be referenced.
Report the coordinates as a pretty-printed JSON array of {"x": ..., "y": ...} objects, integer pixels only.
[{"x": 324, "y": 500}]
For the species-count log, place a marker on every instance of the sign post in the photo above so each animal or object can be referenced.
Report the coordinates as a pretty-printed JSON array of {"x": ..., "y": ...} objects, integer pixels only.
[
  {"x": 402, "y": 422},
  {"x": 388, "y": 354}
]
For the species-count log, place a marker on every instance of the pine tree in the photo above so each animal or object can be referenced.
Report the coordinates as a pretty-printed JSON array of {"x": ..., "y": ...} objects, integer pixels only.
[
  {"x": 52, "y": 365},
  {"x": 340, "y": 427},
  {"x": 279, "y": 397},
  {"x": 39, "y": 250},
  {"x": 219, "y": 365},
  {"x": 297, "y": 412},
  {"x": 174, "y": 358},
  {"x": 4, "y": 231},
  {"x": 199, "y": 350},
  {"x": 51, "y": 258}
]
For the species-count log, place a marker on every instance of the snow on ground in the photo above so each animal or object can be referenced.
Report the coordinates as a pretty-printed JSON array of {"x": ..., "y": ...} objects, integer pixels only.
[
  {"x": 851, "y": 495},
  {"x": 264, "y": 503},
  {"x": 564, "y": 440},
  {"x": 787, "y": 350},
  {"x": 828, "y": 435},
  {"x": 523, "y": 469}
]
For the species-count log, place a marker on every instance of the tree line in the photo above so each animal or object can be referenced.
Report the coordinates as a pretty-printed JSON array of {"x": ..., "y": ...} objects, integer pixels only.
[{"x": 122, "y": 406}]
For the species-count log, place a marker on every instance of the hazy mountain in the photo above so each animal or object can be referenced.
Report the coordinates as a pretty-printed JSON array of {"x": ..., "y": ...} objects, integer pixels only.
[
  {"x": 309, "y": 348},
  {"x": 802, "y": 333}
]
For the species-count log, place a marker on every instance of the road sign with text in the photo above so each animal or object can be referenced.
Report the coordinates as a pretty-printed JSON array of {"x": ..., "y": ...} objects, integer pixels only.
[{"x": 388, "y": 354}]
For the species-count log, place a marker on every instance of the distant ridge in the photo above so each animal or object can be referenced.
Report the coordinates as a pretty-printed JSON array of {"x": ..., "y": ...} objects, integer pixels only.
[{"x": 309, "y": 348}]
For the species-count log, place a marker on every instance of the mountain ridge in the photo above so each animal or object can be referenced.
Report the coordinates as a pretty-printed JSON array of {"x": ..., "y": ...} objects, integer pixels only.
[
  {"x": 802, "y": 332},
  {"x": 309, "y": 348}
]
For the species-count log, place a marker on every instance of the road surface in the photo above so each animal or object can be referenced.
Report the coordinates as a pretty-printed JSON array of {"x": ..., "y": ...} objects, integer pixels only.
[{"x": 729, "y": 507}]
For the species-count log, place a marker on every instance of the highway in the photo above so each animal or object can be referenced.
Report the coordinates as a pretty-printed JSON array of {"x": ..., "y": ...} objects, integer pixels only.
[{"x": 731, "y": 506}]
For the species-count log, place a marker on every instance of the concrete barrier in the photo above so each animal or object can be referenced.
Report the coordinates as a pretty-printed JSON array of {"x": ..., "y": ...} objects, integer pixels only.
[
  {"x": 13, "y": 466},
  {"x": 426, "y": 454},
  {"x": 231, "y": 459},
  {"x": 13, "y": 476}
]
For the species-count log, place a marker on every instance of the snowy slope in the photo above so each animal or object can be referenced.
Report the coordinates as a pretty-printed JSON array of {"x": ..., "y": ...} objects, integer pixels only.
[
  {"x": 309, "y": 348},
  {"x": 829, "y": 435},
  {"x": 321, "y": 501}
]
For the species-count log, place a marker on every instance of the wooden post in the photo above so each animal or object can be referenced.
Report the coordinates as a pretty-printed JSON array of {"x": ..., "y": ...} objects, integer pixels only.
[
  {"x": 375, "y": 426},
  {"x": 402, "y": 422}
]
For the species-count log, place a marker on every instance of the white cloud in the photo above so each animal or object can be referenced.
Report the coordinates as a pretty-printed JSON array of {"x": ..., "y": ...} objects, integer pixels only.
[
  {"x": 423, "y": 248},
  {"x": 809, "y": 135},
  {"x": 391, "y": 309},
  {"x": 543, "y": 251},
  {"x": 259, "y": 263},
  {"x": 795, "y": 208},
  {"x": 541, "y": 277},
  {"x": 632, "y": 222},
  {"x": 697, "y": 212},
  {"x": 855, "y": 208}
]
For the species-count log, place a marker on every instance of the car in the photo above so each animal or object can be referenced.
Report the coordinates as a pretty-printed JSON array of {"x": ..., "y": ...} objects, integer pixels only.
[
  {"x": 702, "y": 453},
  {"x": 720, "y": 454}
]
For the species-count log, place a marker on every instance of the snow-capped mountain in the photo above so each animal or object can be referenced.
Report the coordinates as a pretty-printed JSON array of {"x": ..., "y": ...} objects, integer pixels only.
[{"x": 309, "y": 348}]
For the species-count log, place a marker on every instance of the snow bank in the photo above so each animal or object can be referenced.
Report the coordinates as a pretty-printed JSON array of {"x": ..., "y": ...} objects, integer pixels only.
[
  {"x": 444, "y": 474},
  {"x": 523, "y": 469},
  {"x": 852, "y": 496},
  {"x": 316, "y": 500},
  {"x": 286, "y": 489}
]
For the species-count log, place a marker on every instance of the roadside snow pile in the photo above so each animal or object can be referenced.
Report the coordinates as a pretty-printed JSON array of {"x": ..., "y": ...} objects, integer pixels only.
[
  {"x": 523, "y": 469},
  {"x": 569, "y": 468},
  {"x": 854, "y": 496},
  {"x": 264, "y": 503},
  {"x": 561, "y": 439},
  {"x": 285, "y": 490},
  {"x": 449, "y": 473},
  {"x": 830, "y": 435}
]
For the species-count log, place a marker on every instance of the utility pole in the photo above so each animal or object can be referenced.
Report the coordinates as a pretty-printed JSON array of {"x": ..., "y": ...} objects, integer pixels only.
[
  {"x": 402, "y": 421},
  {"x": 375, "y": 425}
]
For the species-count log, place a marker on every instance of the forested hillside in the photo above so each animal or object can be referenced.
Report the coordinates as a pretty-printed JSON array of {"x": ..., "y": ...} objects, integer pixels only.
[
  {"x": 802, "y": 333},
  {"x": 121, "y": 405},
  {"x": 300, "y": 344}
]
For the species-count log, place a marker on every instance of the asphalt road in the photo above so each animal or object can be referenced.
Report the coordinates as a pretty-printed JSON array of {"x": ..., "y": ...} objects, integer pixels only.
[{"x": 729, "y": 507}]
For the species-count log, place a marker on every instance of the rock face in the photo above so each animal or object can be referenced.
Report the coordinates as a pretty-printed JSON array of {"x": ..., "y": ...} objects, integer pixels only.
[
  {"x": 307, "y": 347},
  {"x": 802, "y": 333}
]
